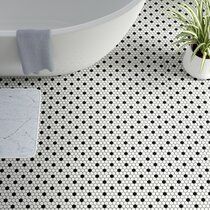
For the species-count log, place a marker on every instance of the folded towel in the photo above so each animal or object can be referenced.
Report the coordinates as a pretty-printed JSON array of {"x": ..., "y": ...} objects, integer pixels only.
[{"x": 35, "y": 50}]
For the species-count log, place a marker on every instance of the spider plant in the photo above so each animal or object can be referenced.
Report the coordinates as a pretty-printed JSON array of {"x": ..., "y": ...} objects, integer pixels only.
[{"x": 195, "y": 28}]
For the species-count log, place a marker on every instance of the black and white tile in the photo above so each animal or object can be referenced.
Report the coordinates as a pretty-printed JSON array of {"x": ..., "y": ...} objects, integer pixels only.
[{"x": 130, "y": 132}]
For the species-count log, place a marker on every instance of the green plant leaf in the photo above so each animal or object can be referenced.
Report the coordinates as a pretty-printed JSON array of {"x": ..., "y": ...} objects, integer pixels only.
[
  {"x": 197, "y": 49},
  {"x": 182, "y": 36},
  {"x": 207, "y": 7},
  {"x": 196, "y": 2},
  {"x": 200, "y": 12},
  {"x": 191, "y": 25},
  {"x": 190, "y": 33},
  {"x": 192, "y": 13},
  {"x": 182, "y": 40},
  {"x": 179, "y": 16},
  {"x": 186, "y": 35},
  {"x": 203, "y": 60},
  {"x": 189, "y": 42},
  {"x": 208, "y": 52}
]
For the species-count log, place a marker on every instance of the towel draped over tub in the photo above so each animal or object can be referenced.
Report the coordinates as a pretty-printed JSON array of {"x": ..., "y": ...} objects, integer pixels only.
[{"x": 35, "y": 50}]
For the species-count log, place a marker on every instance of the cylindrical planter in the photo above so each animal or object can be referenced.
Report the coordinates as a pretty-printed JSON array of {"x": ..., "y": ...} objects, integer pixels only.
[{"x": 193, "y": 66}]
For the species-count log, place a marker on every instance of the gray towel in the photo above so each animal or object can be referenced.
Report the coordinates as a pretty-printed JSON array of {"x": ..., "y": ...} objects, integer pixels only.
[{"x": 35, "y": 50}]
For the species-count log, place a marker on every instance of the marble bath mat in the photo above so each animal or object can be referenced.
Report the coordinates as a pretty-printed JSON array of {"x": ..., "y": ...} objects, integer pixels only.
[{"x": 19, "y": 121}]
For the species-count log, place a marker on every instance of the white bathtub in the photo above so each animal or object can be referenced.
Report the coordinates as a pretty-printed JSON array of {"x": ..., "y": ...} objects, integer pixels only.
[{"x": 83, "y": 31}]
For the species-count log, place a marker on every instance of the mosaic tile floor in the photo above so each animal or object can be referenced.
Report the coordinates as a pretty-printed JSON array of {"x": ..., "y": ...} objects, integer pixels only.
[{"x": 130, "y": 132}]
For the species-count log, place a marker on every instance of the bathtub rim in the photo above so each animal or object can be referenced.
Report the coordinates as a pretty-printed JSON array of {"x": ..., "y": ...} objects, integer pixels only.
[{"x": 92, "y": 23}]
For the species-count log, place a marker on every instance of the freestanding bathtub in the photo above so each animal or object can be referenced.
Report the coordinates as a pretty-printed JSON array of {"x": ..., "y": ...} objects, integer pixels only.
[{"x": 83, "y": 31}]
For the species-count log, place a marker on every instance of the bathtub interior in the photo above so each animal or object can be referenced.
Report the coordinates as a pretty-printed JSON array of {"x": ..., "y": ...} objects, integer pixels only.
[{"x": 54, "y": 14}]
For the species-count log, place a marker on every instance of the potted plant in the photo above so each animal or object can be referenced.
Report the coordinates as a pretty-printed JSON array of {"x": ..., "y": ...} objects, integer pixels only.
[{"x": 195, "y": 33}]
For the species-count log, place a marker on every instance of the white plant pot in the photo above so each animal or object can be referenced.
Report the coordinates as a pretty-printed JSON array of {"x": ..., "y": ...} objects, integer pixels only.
[{"x": 193, "y": 66}]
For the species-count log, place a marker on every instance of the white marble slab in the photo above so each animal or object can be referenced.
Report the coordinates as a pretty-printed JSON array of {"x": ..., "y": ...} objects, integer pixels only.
[{"x": 19, "y": 122}]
